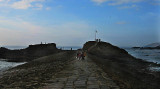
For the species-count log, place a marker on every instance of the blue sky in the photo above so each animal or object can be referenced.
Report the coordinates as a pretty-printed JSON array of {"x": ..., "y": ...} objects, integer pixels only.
[{"x": 73, "y": 22}]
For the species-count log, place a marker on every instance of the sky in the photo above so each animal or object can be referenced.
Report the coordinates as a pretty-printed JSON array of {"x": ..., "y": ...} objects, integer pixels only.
[{"x": 123, "y": 23}]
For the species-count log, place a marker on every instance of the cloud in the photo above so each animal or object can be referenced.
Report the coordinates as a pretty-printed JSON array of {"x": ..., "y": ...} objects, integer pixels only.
[
  {"x": 38, "y": 6},
  {"x": 116, "y": 2},
  {"x": 121, "y": 22},
  {"x": 99, "y": 1},
  {"x": 128, "y": 7},
  {"x": 19, "y": 32},
  {"x": 48, "y": 8},
  {"x": 23, "y": 4}
]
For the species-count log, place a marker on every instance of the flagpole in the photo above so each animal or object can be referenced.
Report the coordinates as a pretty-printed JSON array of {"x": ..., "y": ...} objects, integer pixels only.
[{"x": 95, "y": 35}]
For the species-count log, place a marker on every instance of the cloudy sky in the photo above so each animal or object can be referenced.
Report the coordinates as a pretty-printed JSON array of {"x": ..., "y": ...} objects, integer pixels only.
[{"x": 73, "y": 22}]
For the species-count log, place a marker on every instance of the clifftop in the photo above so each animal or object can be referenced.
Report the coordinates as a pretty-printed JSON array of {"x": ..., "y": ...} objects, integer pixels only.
[
  {"x": 104, "y": 49},
  {"x": 42, "y": 46}
]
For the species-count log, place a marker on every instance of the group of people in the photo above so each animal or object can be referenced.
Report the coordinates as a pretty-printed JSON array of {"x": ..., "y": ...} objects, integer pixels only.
[{"x": 81, "y": 55}]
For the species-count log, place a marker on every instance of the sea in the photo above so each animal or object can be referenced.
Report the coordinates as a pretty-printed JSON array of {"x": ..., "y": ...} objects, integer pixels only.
[
  {"x": 4, "y": 65},
  {"x": 147, "y": 55}
]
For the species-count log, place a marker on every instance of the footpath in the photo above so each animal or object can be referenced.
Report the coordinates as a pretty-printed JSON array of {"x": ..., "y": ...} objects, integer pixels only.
[{"x": 81, "y": 74}]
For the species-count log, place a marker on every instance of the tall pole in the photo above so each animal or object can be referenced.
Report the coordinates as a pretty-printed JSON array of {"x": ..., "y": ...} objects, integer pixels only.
[{"x": 95, "y": 35}]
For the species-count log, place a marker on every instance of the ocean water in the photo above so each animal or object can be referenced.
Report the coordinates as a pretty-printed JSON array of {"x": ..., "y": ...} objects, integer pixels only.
[
  {"x": 15, "y": 47},
  {"x": 69, "y": 47},
  {"x": 7, "y": 65},
  {"x": 147, "y": 55}
]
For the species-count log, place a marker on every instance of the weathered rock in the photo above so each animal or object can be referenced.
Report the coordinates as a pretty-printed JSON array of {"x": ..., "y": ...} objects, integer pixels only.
[{"x": 29, "y": 53}]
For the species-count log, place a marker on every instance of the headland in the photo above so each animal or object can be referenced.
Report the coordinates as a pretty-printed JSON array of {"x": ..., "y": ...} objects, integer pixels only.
[{"x": 47, "y": 61}]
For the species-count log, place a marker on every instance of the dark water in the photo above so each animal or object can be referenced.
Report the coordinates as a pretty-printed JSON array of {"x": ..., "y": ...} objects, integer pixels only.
[
  {"x": 6, "y": 65},
  {"x": 147, "y": 55},
  {"x": 15, "y": 47}
]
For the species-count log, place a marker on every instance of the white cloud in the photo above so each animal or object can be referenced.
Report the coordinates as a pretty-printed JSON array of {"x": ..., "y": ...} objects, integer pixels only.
[
  {"x": 48, "y": 8},
  {"x": 18, "y": 32},
  {"x": 128, "y": 7},
  {"x": 99, "y": 1},
  {"x": 116, "y": 2},
  {"x": 38, "y": 6},
  {"x": 23, "y": 4}
]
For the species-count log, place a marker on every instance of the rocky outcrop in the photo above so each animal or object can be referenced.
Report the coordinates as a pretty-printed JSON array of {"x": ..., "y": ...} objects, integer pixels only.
[
  {"x": 127, "y": 71},
  {"x": 150, "y": 46},
  {"x": 158, "y": 47},
  {"x": 29, "y": 53}
]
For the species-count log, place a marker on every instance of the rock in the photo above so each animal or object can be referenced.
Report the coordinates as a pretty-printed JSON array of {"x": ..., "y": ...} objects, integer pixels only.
[{"x": 29, "y": 53}]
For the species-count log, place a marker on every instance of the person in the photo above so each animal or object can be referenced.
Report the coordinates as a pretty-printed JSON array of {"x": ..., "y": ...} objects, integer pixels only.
[
  {"x": 78, "y": 55},
  {"x": 82, "y": 55}
]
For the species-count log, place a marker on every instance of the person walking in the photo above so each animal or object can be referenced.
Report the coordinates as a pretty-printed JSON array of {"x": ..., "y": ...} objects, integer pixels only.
[
  {"x": 82, "y": 55},
  {"x": 78, "y": 55}
]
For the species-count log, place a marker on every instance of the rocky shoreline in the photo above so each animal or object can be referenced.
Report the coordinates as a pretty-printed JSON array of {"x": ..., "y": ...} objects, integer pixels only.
[
  {"x": 125, "y": 70},
  {"x": 35, "y": 74}
]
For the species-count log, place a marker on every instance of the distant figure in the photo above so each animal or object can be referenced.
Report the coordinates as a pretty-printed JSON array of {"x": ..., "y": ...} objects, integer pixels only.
[
  {"x": 71, "y": 49},
  {"x": 78, "y": 55},
  {"x": 83, "y": 55}
]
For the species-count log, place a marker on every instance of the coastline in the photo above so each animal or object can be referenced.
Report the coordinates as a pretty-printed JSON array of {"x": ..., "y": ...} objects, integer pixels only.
[
  {"x": 34, "y": 74},
  {"x": 125, "y": 70}
]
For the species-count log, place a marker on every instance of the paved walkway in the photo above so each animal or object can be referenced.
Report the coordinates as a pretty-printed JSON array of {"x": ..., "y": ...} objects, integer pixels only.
[{"x": 81, "y": 74}]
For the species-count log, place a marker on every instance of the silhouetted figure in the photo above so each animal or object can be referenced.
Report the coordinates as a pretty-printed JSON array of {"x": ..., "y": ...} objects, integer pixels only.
[{"x": 82, "y": 55}]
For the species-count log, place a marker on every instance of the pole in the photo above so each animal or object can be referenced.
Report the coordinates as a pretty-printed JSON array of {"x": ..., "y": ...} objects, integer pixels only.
[{"x": 95, "y": 35}]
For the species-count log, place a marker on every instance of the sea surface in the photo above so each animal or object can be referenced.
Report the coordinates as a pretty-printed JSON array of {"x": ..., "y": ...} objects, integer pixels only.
[
  {"x": 6, "y": 65},
  {"x": 147, "y": 55}
]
